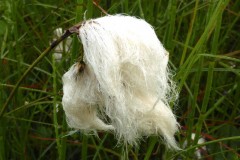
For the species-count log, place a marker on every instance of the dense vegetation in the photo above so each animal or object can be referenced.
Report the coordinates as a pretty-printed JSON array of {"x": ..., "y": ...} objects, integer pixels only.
[{"x": 202, "y": 37}]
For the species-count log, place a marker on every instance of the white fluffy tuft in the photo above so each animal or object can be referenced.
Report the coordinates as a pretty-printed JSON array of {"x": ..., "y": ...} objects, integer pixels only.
[{"x": 125, "y": 85}]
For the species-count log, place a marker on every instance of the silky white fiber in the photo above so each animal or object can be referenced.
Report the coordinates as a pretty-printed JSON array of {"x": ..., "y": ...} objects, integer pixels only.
[{"x": 124, "y": 85}]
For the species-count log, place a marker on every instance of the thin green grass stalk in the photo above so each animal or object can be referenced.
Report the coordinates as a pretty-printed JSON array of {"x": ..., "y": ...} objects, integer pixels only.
[
  {"x": 32, "y": 104},
  {"x": 204, "y": 37},
  {"x": 134, "y": 154},
  {"x": 193, "y": 102},
  {"x": 140, "y": 8},
  {"x": 236, "y": 110},
  {"x": 189, "y": 33},
  {"x": 220, "y": 101},
  {"x": 171, "y": 13},
  {"x": 50, "y": 146},
  {"x": 215, "y": 42},
  {"x": 26, "y": 89},
  {"x": 2, "y": 128},
  {"x": 109, "y": 151},
  {"x": 55, "y": 109},
  {"x": 221, "y": 57},
  {"x": 89, "y": 11},
  {"x": 28, "y": 127},
  {"x": 151, "y": 11},
  {"x": 233, "y": 138},
  {"x": 27, "y": 65},
  {"x": 125, "y": 5},
  {"x": 99, "y": 147},
  {"x": 17, "y": 52},
  {"x": 230, "y": 69},
  {"x": 2, "y": 140},
  {"x": 156, "y": 11},
  {"x": 124, "y": 152},
  {"x": 60, "y": 141},
  {"x": 214, "y": 50},
  {"x": 29, "y": 120},
  {"x": 97, "y": 154},
  {"x": 206, "y": 99},
  {"x": 229, "y": 29},
  {"x": 84, "y": 151},
  {"x": 75, "y": 48},
  {"x": 4, "y": 42},
  {"x": 209, "y": 84},
  {"x": 180, "y": 19},
  {"x": 152, "y": 143},
  {"x": 64, "y": 140}
]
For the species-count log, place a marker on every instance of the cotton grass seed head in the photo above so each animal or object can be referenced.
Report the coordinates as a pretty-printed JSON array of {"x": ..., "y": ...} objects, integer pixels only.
[{"x": 124, "y": 86}]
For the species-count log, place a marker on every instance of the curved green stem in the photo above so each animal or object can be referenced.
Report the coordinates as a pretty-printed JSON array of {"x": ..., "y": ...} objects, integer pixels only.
[{"x": 69, "y": 32}]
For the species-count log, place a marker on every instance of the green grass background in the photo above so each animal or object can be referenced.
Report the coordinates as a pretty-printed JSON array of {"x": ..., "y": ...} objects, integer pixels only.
[{"x": 202, "y": 37}]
